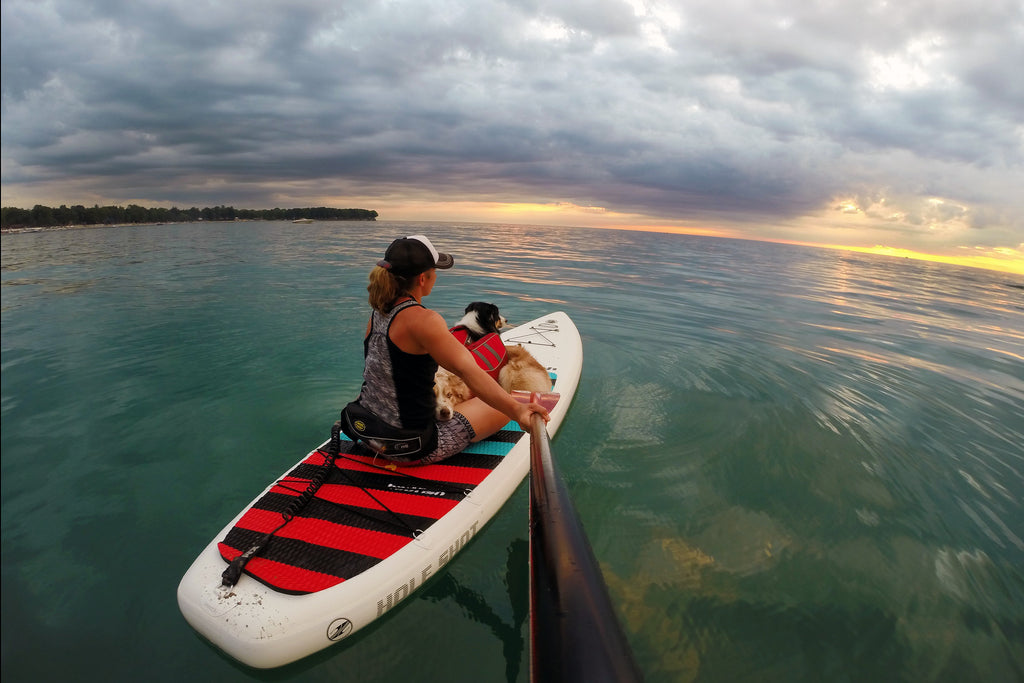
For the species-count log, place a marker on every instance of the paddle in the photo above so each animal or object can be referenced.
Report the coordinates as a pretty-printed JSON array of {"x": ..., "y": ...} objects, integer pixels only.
[{"x": 574, "y": 632}]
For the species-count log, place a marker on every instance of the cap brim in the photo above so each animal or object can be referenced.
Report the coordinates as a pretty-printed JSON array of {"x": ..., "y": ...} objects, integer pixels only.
[{"x": 444, "y": 261}]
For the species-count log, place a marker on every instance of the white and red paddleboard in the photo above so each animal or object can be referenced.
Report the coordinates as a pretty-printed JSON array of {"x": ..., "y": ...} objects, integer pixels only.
[{"x": 369, "y": 537}]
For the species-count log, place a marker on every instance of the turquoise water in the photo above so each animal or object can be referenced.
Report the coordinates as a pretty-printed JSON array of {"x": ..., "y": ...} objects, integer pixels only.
[{"x": 793, "y": 464}]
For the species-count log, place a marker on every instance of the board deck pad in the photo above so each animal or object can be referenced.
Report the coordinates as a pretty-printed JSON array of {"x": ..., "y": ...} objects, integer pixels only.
[{"x": 366, "y": 510}]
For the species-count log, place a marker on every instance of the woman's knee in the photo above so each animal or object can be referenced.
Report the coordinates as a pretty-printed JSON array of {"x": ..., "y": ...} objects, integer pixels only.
[{"x": 484, "y": 419}]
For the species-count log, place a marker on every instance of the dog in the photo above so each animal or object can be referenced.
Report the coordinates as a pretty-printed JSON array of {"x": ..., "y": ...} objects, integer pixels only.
[
  {"x": 481, "y": 319},
  {"x": 519, "y": 370}
]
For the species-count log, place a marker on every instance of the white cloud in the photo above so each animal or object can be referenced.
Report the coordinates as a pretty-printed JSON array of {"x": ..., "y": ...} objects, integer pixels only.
[
  {"x": 734, "y": 111},
  {"x": 916, "y": 66}
]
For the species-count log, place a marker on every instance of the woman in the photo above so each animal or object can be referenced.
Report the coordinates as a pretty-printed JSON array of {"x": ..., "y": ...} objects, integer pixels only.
[{"x": 404, "y": 343}]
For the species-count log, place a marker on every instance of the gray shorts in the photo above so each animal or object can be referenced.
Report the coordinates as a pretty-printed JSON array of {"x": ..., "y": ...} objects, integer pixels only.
[{"x": 452, "y": 437}]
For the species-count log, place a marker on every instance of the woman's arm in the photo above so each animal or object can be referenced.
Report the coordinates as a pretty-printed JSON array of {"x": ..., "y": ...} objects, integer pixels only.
[{"x": 433, "y": 335}]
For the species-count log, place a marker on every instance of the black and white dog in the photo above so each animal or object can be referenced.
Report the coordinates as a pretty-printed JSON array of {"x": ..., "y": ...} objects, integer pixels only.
[
  {"x": 519, "y": 370},
  {"x": 481, "y": 319}
]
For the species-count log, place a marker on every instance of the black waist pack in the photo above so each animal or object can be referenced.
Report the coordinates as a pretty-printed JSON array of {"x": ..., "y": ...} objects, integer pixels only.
[{"x": 361, "y": 424}]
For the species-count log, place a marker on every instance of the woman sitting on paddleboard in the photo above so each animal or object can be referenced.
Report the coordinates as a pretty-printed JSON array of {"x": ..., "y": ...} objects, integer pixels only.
[{"x": 404, "y": 343}]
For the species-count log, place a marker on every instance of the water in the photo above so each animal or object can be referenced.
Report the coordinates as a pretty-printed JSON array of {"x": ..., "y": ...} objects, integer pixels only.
[{"x": 793, "y": 464}]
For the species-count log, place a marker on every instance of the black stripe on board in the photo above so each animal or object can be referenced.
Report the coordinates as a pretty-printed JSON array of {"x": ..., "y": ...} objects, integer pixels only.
[
  {"x": 385, "y": 480},
  {"x": 506, "y": 436},
  {"x": 485, "y": 461},
  {"x": 477, "y": 461},
  {"x": 295, "y": 553},
  {"x": 502, "y": 435},
  {"x": 348, "y": 515}
]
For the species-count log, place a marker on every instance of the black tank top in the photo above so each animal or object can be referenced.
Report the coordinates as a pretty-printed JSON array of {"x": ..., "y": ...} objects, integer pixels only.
[{"x": 397, "y": 386}]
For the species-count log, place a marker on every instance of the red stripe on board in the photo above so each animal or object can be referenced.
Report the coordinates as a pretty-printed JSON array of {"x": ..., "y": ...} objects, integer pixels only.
[
  {"x": 327, "y": 534},
  {"x": 436, "y": 472},
  {"x": 284, "y": 576},
  {"x": 315, "y": 458}
]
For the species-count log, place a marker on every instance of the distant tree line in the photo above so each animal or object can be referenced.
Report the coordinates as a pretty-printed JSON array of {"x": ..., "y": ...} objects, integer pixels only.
[{"x": 45, "y": 217}]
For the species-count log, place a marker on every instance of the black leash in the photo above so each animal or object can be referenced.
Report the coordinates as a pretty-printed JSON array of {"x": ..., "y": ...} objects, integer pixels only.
[{"x": 234, "y": 571}]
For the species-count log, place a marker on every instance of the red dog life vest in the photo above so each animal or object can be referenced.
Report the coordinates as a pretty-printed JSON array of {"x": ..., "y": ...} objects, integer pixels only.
[{"x": 488, "y": 351}]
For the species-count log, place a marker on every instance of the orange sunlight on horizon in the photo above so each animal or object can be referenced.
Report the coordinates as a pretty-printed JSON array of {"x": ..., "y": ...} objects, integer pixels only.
[
  {"x": 1008, "y": 260},
  {"x": 565, "y": 214}
]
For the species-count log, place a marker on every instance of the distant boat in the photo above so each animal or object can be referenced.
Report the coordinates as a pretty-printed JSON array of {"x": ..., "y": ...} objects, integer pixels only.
[{"x": 303, "y": 220}]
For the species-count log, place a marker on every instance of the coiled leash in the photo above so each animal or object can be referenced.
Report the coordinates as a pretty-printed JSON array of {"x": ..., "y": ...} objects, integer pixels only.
[{"x": 234, "y": 571}]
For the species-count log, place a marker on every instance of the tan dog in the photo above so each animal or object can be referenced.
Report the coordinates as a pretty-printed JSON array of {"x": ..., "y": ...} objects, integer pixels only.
[
  {"x": 449, "y": 391},
  {"x": 521, "y": 371}
]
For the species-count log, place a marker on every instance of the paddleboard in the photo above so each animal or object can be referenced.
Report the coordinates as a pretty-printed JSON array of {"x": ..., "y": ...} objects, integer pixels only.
[{"x": 370, "y": 536}]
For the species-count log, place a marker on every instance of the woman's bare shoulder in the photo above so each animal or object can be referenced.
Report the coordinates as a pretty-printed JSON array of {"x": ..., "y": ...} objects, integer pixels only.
[
  {"x": 418, "y": 329},
  {"x": 420, "y": 315},
  {"x": 426, "y": 321}
]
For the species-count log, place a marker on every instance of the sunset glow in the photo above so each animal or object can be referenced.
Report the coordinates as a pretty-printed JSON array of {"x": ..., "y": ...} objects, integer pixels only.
[
  {"x": 753, "y": 121},
  {"x": 1004, "y": 259}
]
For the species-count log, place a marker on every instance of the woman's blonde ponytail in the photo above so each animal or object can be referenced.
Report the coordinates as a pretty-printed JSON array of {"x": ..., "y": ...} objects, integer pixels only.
[{"x": 384, "y": 288}]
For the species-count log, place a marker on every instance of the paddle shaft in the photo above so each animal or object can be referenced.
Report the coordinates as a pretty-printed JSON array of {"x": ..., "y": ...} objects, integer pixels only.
[{"x": 574, "y": 632}]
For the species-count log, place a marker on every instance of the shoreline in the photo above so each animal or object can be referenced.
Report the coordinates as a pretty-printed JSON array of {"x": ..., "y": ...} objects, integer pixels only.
[{"x": 21, "y": 230}]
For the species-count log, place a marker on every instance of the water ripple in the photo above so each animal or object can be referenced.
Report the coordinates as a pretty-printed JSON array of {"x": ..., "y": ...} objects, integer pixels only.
[{"x": 792, "y": 463}]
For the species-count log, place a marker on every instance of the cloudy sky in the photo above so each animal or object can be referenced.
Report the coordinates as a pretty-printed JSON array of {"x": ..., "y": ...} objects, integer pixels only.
[{"x": 895, "y": 124}]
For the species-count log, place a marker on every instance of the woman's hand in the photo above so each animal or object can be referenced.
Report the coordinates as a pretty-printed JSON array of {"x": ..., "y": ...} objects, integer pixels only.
[{"x": 525, "y": 412}]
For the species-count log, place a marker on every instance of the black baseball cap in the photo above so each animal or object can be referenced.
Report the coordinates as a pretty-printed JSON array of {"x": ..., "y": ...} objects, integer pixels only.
[{"x": 412, "y": 255}]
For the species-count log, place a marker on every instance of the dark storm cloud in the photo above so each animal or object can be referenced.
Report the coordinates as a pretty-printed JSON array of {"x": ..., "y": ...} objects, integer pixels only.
[{"x": 731, "y": 108}]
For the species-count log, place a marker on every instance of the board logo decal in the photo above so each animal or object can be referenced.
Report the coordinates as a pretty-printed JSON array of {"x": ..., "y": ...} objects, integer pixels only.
[
  {"x": 537, "y": 334},
  {"x": 339, "y": 628},
  {"x": 418, "y": 490}
]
